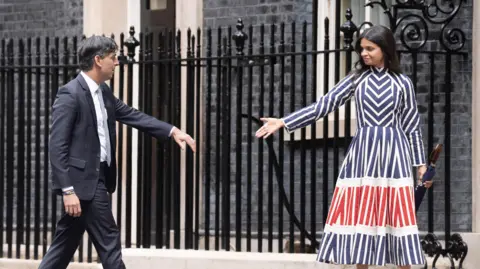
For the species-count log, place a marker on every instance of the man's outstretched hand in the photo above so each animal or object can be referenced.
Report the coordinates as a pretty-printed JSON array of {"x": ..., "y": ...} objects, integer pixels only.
[{"x": 181, "y": 138}]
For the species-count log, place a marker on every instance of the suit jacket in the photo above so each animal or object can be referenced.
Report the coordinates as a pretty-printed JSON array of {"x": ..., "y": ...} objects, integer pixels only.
[{"x": 74, "y": 143}]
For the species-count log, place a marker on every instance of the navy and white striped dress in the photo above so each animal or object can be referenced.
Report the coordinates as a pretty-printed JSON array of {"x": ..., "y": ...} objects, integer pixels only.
[{"x": 372, "y": 214}]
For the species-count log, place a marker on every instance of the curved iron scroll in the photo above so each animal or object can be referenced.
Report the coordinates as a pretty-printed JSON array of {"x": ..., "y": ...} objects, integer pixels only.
[
  {"x": 283, "y": 193},
  {"x": 432, "y": 247},
  {"x": 414, "y": 34},
  {"x": 457, "y": 249}
]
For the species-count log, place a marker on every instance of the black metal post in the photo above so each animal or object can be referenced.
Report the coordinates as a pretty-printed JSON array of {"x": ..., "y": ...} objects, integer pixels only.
[
  {"x": 37, "y": 151},
  {"x": 148, "y": 145},
  {"x": 131, "y": 43},
  {"x": 198, "y": 116},
  {"x": 291, "y": 238},
  {"x": 336, "y": 121},
  {"x": 160, "y": 145},
  {"x": 239, "y": 37},
  {"x": 120, "y": 129},
  {"x": 168, "y": 151},
  {"x": 249, "y": 142},
  {"x": 271, "y": 107},
  {"x": 226, "y": 127},
  {"x": 281, "y": 137},
  {"x": 190, "y": 111},
  {"x": 208, "y": 138},
  {"x": 326, "y": 63},
  {"x": 313, "y": 131},
  {"x": 10, "y": 99},
  {"x": 176, "y": 119},
  {"x": 3, "y": 102},
  {"x": 218, "y": 131},
  {"x": 141, "y": 167},
  {"x": 54, "y": 88},
  {"x": 21, "y": 149},
  {"x": 348, "y": 28},
  {"x": 431, "y": 122},
  {"x": 30, "y": 149},
  {"x": 455, "y": 247},
  {"x": 303, "y": 136},
  {"x": 46, "y": 132},
  {"x": 260, "y": 164}
]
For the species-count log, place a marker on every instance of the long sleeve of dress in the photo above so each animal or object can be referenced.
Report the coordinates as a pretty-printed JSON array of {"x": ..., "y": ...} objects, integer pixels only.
[
  {"x": 335, "y": 98},
  {"x": 411, "y": 123}
]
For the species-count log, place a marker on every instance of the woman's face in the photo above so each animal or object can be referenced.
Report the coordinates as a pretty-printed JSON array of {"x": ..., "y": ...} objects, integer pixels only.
[{"x": 371, "y": 53}]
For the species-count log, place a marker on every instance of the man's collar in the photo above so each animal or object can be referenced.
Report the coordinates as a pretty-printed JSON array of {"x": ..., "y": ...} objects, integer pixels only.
[{"x": 92, "y": 85}]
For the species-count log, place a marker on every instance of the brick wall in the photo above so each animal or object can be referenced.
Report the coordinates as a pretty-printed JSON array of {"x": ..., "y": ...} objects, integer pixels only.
[{"x": 32, "y": 18}]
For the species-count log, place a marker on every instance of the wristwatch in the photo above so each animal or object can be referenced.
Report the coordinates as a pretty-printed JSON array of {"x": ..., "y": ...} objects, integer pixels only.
[{"x": 69, "y": 192}]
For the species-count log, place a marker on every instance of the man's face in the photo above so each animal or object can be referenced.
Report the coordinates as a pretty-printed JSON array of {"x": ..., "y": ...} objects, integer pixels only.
[{"x": 107, "y": 65}]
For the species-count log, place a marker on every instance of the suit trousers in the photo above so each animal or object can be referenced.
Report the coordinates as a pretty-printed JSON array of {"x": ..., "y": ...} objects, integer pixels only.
[{"x": 97, "y": 219}]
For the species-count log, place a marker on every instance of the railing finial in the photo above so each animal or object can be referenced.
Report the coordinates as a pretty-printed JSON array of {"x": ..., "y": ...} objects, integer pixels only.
[
  {"x": 131, "y": 43},
  {"x": 348, "y": 29},
  {"x": 240, "y": 37}
]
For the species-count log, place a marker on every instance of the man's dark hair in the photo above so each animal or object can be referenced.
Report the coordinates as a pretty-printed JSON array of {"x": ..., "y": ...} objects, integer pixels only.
[{"x": 93, "y": 46}]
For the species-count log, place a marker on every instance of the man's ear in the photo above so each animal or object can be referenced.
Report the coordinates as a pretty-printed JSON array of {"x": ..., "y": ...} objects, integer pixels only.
[{"x": 97, "y": 60}]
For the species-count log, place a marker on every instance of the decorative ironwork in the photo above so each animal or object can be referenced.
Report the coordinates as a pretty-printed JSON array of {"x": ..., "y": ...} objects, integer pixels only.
[
  {"x": 415, "y": 32},
  {"x": 432, "y": 247},
  {"x": 348, "y": 29},
  {"x": 131, "y": 43},
  {"x": 363, "y": 25},
  {"x": 386, "y": 11},
  {"x": 240, "y": 37},
  {"x": 457, "y": 249}
]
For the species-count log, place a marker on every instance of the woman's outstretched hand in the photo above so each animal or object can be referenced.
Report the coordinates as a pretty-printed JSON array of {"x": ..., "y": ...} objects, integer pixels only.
[{"x": 270, "y": 126}]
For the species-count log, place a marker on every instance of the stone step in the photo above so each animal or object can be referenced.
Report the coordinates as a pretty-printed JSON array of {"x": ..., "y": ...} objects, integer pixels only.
[
  {"x": 33, "y": 264},
  {"x": 199, "y": 259}
]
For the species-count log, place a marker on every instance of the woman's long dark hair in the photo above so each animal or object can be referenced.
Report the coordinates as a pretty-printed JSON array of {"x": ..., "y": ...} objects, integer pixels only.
[{"x": 382, "y": 37}]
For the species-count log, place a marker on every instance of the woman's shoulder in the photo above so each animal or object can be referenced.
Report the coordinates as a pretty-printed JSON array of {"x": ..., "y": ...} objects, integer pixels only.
[
  {"x": 401, "y": 78},
  {"x": 406, "y": 80}
]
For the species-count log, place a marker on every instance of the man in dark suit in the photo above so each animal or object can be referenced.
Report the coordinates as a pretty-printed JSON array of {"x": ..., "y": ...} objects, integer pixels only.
[{"x": 82, "y": 155}]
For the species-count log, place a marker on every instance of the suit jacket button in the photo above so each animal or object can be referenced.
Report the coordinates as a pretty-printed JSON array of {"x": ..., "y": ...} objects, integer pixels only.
[{"x": 97, "y": 170}]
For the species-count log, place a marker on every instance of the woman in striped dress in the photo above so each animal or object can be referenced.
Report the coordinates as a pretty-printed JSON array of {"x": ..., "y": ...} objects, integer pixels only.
[{"x": 371, "y": 220}]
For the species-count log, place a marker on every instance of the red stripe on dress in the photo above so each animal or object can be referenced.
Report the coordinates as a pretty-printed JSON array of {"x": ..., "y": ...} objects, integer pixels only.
[
  {"x": 368, "y": 208},
  {"x": 405, "y": 215},
  {"x": 411, "y": 205},
  {"x": 398, "y": 209},
  {"x": 338, "y": 210},
  {"x": 382, "y": 199},
  {"x": 363, "y": 202},
  {"x": 349, "y": 206},
  {"x": 390, "y": 206},
  {"x": 358, "y": 191},
  {"x": 343, "y": 216},
  {"x": 332, "y": 206},
  {"x": 374, "y": 207}
]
